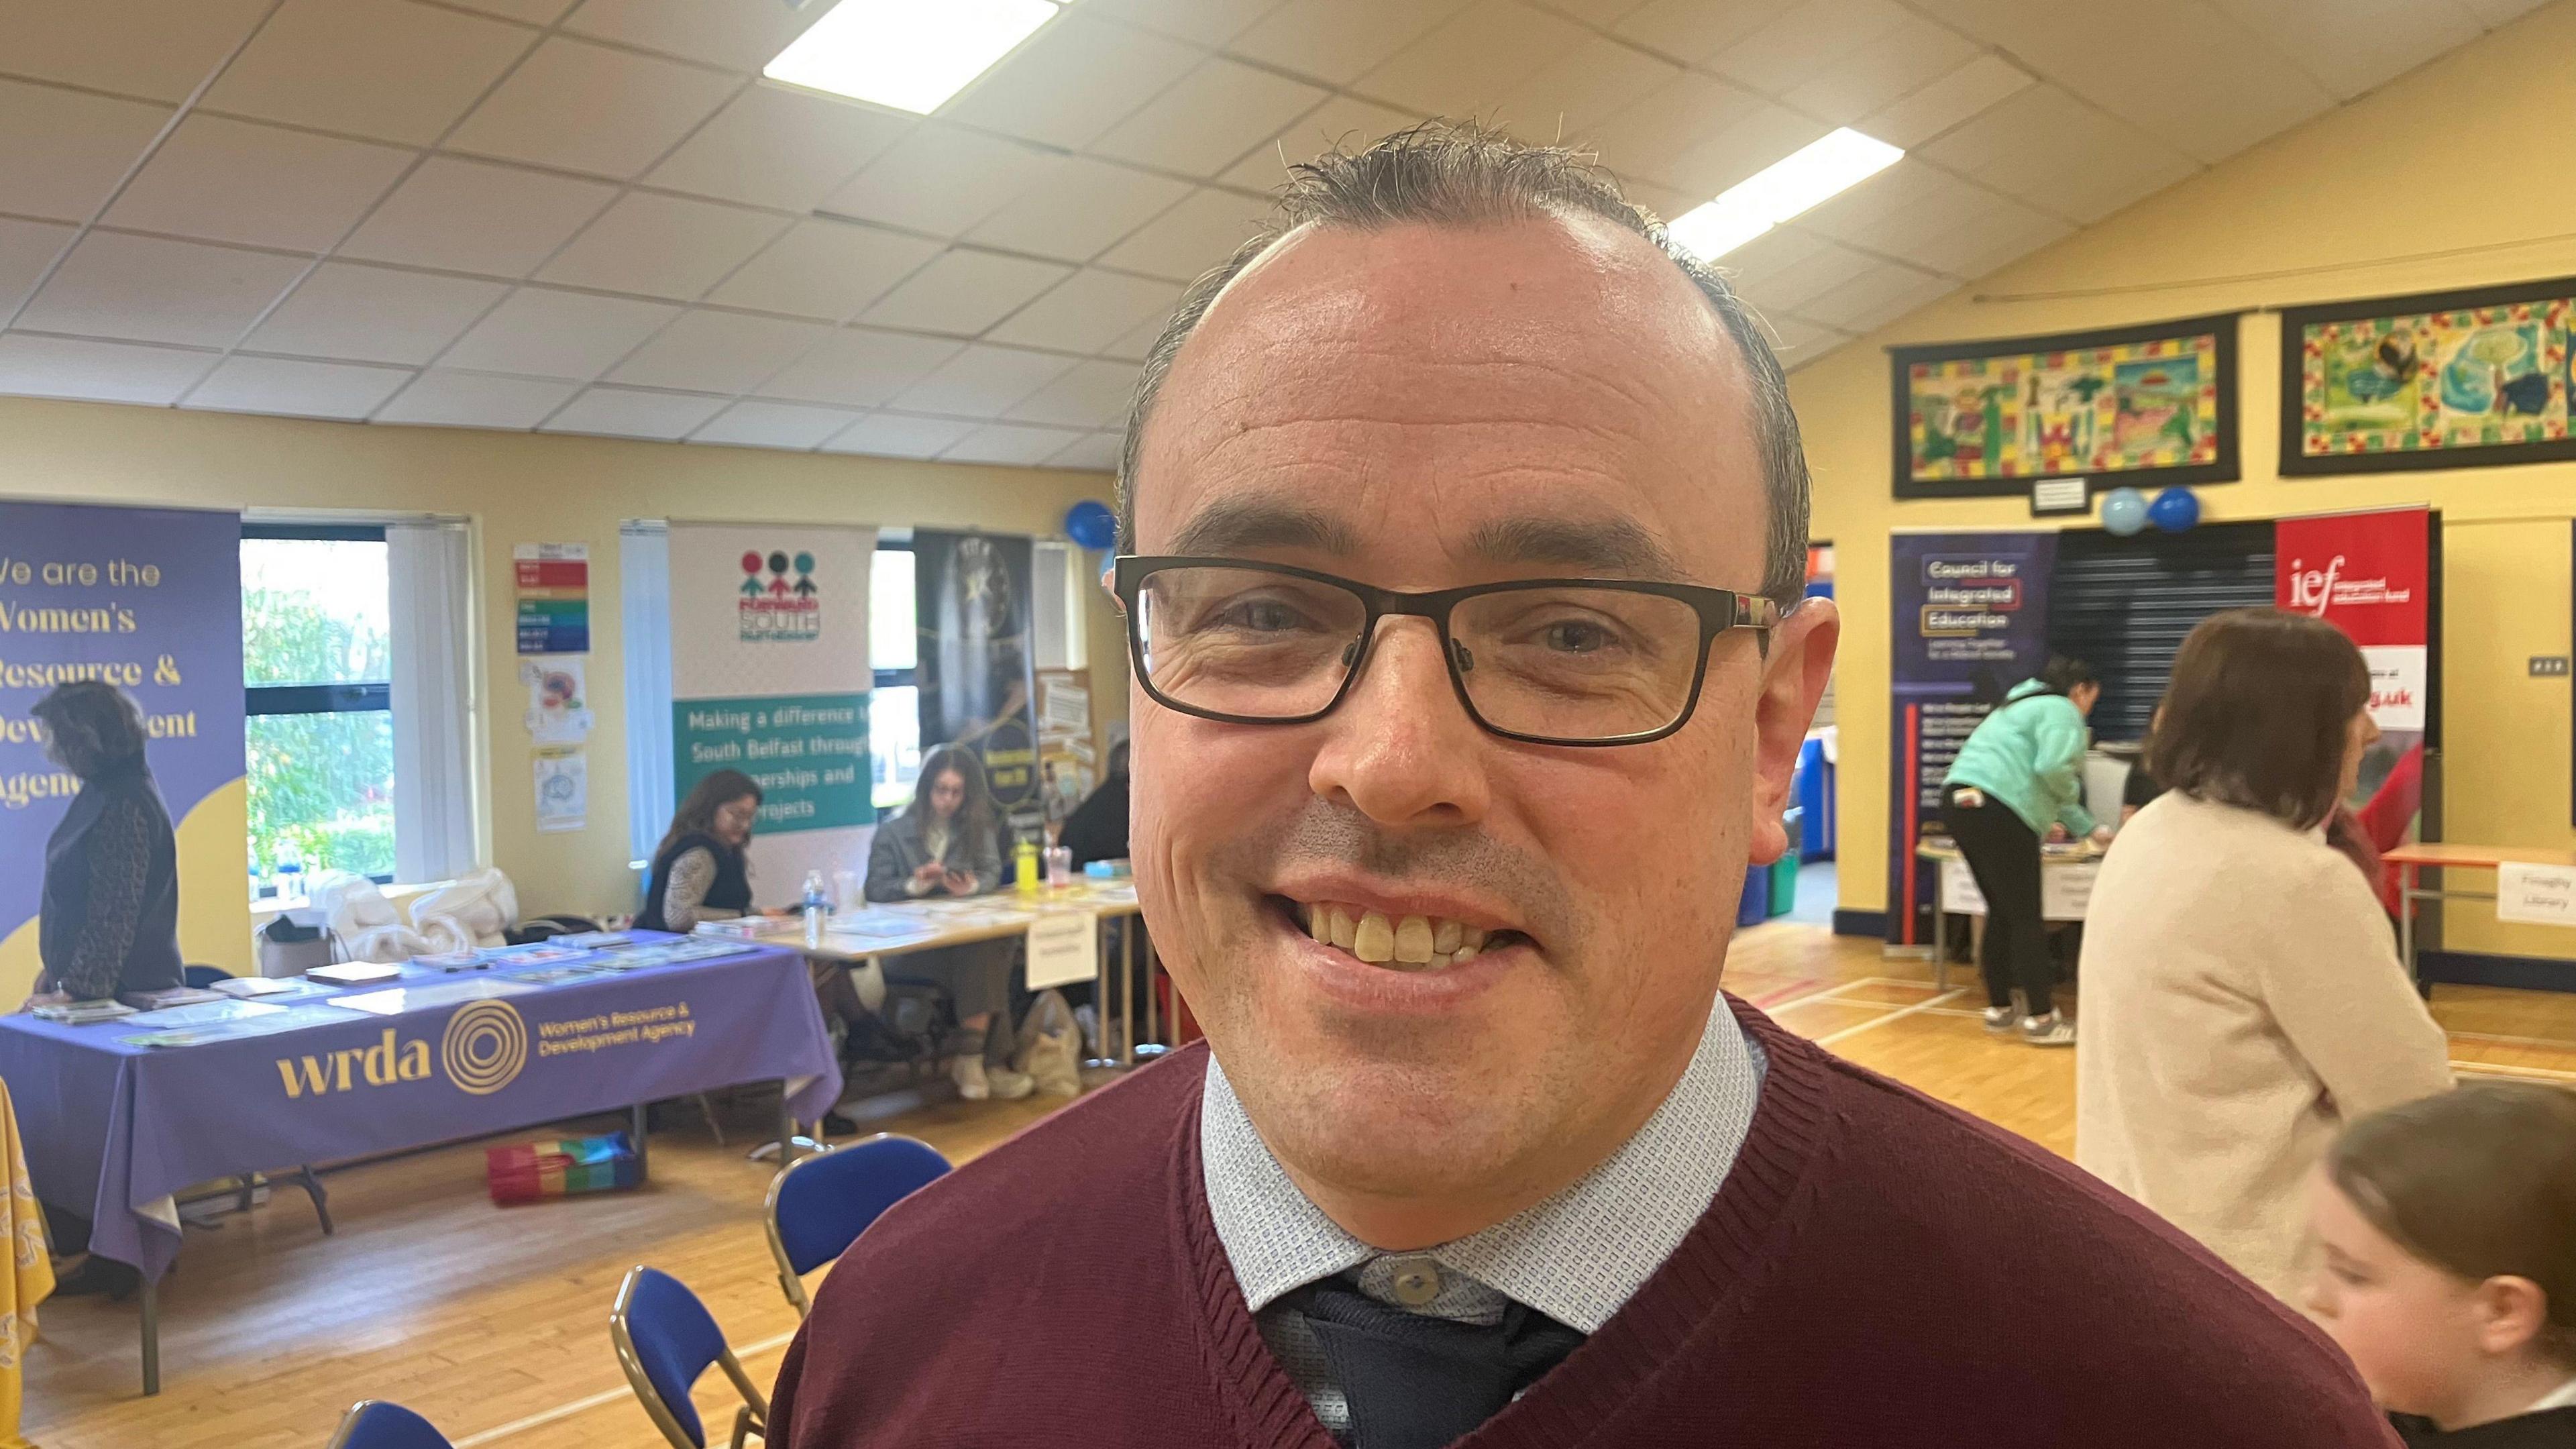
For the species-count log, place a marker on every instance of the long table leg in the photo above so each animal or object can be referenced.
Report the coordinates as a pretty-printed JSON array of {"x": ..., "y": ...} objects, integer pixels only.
[
  {"x": 643, "y": 1164},
  {"x": 151, "y": 1336},
  {"x": 1100, "y": 1056},
  {"x": 1940, "y": 934},
  {"x": 1127, "y": 995},
  {"x": 1152, "y": 1046},
  {"x": 2406, "y": 920}
]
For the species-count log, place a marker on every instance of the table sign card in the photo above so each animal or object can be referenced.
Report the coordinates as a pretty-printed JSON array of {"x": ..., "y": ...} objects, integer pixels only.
[
  {"x": 2539, "y": 895},
  {"x": 1064, "y": 947}
]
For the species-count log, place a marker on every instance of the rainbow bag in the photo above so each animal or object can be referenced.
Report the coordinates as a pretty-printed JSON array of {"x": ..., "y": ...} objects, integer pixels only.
[{"x": 534, "y": 1171}]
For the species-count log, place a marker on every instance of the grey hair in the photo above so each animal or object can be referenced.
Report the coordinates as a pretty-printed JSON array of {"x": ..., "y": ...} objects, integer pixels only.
[{"x": 1448, "y": 174}]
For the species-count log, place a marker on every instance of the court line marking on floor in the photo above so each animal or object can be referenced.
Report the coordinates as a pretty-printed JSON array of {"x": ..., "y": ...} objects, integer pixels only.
[
  {"x": 562, "y": 1412},
  {"x": 1829, "y": 1038}
]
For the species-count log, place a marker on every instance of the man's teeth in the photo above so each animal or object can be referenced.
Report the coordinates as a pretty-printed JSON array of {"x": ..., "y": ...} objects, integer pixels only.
[{"x": 1403, "y": 943}]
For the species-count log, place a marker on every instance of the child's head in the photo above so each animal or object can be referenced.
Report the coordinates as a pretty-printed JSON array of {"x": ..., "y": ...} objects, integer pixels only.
[{"x": 2449, "y": 1234}]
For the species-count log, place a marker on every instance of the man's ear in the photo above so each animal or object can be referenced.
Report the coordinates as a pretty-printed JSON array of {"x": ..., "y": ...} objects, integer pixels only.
[{"x": 1793, "y": 680}]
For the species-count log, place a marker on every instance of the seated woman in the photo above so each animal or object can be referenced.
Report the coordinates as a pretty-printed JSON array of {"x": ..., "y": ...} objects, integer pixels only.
[
  {"x": 948, "y": 842},
  {"x": 699, "y": 871}
]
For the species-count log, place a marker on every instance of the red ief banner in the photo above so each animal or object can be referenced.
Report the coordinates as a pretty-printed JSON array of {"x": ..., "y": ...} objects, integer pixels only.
[{"x": 2367, "y": 574}]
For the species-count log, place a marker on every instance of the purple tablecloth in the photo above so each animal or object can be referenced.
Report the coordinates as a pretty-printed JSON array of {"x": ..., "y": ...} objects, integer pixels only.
[{"x": 112, "y": 1130}]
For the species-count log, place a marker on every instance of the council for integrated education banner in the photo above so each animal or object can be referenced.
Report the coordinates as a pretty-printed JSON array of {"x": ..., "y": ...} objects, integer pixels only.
[
  {"x": 972, "y": 593},
  {"x": 770, "y": 676},
  {"x": 1971, "y": 621},
  {"x": 149, "y": 600}
]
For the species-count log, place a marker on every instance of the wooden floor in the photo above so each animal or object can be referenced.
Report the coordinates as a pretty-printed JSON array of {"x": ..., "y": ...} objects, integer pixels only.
[{"x": 493, "y": 1322}]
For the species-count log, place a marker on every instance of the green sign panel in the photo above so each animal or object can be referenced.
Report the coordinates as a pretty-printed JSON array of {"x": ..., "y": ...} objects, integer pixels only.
[{"x": 808, "y": 752}]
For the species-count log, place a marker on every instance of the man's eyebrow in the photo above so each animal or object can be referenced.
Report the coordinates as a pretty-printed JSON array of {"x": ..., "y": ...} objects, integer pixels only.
[
  {"x": 1609, "y": 547},
  {"x": 1234, "y": 525}
]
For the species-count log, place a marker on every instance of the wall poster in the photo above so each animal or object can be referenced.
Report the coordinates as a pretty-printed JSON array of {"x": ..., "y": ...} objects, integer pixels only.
[
  {"x": 2370, "y": 575},
  {"x": 2135, "y": 406},
  {"x": 2434, "y": 380},
  {"x": 978, "y": 681}
]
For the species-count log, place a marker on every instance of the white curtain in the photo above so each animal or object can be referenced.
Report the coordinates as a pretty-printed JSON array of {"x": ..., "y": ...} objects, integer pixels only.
[
  {"x": 433, "y": 700},
  {"x": 644, "y": 563}
]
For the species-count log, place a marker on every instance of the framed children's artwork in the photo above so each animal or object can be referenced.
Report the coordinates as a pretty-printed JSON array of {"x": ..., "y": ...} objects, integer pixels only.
[
  {"x": 2137, "y": 406},
  {"x": 2467, "y": 379}
]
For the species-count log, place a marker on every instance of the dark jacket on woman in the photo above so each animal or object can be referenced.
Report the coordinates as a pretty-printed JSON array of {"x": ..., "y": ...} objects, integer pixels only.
[
  {"x": 1097, "y": 828},
  {"x": 110, "y": 922},
  {"x": 730, "y": 893}
]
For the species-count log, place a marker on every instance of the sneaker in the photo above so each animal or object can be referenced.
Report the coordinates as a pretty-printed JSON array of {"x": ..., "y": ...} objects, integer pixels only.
[
  {"x": 2001, "y": 1018},
  {"x": 2052, "y": 1030},
  {"x": 1007, "y": 1085},
  {"x": 966, "y": 1069},
  {"x": 836, "y": 1125}
]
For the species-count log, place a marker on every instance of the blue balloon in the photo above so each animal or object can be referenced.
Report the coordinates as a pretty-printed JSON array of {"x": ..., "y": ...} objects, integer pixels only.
[
  {"x": 1091, "y": 524},
  {"x": 2174, "y": 510},
  {"x": 2124, "y": 511}
]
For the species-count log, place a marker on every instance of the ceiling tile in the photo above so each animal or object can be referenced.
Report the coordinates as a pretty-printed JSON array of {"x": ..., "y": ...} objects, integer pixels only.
[
  {"x": 586, "y": 107},
  {"x": 860, "y": 367},
  {"x": 1089, "y": 311},
  {"x": 1897, "y": 208},
  {"x": 1586, "y": 84},
  {"x": 1075, "y": 207},
  {"x": 1741, "y": 147},
  {"x": 299, "y": 389},
  {"x": 939, "y": 180},
  {"x": 1092, "y": 452},
  {"x": 1200, "y": 22},
  {"x": 545, "y": 333},
  {"x": 775, "y": 425},
  {"x": 1797, "y": 342},
  {"x": 772, "y": 146},
  {"x": 1694, "y": 31},
  {"x": 625, "y": 413},
  {"x": 825, "y": 269},
  {"x": 1604, "y": 13},
  {"x": 2060, "y": 155},
  {"x": 1800, "y": 45},
  {"x": 1010, "y": 444},
  {"x": 67, "y": 150},
  {"x": 2223, "y": 89},
  {"x": 1071, "y": 81},
  {"x": 982, "y": 382},
  {"x": 389, "y": 69},
  {"x": 237, "y": 181},
  {"x": 2001, "y": 232},
  {"x": 1338, "y": 41},
  {"x": 1217, "y": 112},
  {"x": 1341, "y": 121},
  {"x": 2496, "y": 13},
  {"x": 2350, "y": 52},
  {"x": 373, "y": 314},
  {"x": 1092, "y": 395},
  {"x": 476, "y": 216},
  {"x": 1137, "y": 344},
  {"x": 101, "y": 371},
  {"x": 1874, "y": 295},
  {"x": 1472, "y": 59},
  {"x": 662, "y": 246},
  {"x": 1646, "y": 141},
  {"x": 891, "y": 435},
  {"x": 718, "y": 352},
  {"x": 155, "y": 48},
  {"x": 260, "y": 185},
  {"x": 534, "y": 12},
  {"x": 741, "y": 35},
  {"x": 476, "y": 400},
  {"x": 1768, "y": 255},
  {"x": 1969, "y": 91},
  {"x": 1191, "y": 237},
  {"x": 26, "y": 249},
  {"x": 1901, "y": 61},
  {"x": 964, "y": 292},
  {"x": 150, "y": 290},
  {"x": 1787, "y": 289}
]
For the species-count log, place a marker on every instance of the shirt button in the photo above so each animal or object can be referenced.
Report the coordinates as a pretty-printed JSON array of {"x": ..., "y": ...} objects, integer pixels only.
[{"x": 1416, "y": 1281}]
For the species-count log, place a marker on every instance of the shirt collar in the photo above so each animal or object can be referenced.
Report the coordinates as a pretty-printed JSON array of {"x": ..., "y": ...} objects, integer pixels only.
[{"x": 1576, "y": 1257}]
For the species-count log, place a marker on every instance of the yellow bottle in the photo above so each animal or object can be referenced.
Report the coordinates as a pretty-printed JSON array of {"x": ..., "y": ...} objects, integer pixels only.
[{"x": 1025, "y": 868}]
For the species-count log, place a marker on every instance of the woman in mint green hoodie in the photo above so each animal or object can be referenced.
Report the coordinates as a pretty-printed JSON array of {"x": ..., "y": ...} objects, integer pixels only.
[{"x": 2017, "y": 780}]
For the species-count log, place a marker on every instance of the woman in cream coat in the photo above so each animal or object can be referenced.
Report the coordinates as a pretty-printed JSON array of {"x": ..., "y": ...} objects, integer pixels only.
[{"x": 2242, "y": 993}]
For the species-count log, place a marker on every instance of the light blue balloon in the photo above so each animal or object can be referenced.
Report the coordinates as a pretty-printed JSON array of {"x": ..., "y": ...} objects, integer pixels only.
[
  {"x": 2124, "y": 511},
  {"x": 2174, "y": 510}
]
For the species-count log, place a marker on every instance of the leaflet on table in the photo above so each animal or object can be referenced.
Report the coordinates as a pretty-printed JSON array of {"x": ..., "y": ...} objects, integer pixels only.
[
  {"x": 400, "y": 999},
  {"x": 254, "y": 988},
  {"x": 283, "y": 1019},
  {"x": 882, "y": 924},
  {"x": 205, "y": 1013},
  {"x": 82, "y": 1013}
]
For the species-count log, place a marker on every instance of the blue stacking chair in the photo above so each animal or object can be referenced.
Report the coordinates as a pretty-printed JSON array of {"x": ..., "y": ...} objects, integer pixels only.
[
  {"x": 665, "y": 1340},
  {"x": 375, "y": 1424},
  {"x": 820, "y": 1205}
]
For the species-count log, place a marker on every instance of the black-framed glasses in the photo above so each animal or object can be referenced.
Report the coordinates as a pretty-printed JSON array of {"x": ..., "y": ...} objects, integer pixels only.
[{"x": 1546, "y": 661}]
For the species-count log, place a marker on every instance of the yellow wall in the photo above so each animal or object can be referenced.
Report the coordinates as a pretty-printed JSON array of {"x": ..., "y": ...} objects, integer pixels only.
[
  {"x": 516, "y": 488},
  {"x": 2441, "y": 160}
]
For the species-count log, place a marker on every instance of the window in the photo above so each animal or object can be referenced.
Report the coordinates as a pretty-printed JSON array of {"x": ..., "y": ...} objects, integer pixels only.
[
  {"x": 317, "y": 664},
  {"x": 894, "y": 706}
]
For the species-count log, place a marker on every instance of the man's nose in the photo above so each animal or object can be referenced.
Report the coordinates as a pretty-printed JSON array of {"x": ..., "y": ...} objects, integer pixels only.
[{"x": 1402, "y": 748}]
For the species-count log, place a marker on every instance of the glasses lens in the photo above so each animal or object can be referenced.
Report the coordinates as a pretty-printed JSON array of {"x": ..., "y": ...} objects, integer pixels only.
[
  {"x": 1577, "y": 663},
  {"x": 1246, "y": 642}
]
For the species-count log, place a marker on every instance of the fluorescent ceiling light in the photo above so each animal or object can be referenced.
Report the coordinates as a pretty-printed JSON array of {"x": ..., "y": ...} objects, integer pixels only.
[
  {"x": 909, "y": 54},
  {"x": 1781, "y": 190}
]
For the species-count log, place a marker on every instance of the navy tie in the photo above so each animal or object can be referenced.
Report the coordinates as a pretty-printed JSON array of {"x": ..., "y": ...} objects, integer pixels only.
[{"x": 1417, "y": 1382}]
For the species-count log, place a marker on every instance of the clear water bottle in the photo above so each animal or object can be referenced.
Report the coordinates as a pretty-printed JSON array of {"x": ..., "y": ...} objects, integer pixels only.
[
  {"x": 290, "y": 871},
  {"x": 818, "y": 904}
]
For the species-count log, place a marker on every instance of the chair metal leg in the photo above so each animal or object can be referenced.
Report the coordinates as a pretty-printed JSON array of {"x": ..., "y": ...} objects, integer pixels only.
[
  {"x": 249, "y": 1185},
  {"x": 151, "y": 1337},
  {"x": 707, "y": 1107},
  {"x": 643, "y": 1166},
  {"x": 312, "y": 1185}
]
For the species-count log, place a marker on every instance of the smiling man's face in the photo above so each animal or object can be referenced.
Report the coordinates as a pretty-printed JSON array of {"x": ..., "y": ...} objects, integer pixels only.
[{"x": 1421, "y": 408}]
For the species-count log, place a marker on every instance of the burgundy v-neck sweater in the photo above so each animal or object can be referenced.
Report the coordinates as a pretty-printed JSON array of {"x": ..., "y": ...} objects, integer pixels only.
[{"x": 1879, "y": 1270}]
